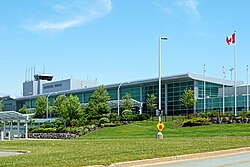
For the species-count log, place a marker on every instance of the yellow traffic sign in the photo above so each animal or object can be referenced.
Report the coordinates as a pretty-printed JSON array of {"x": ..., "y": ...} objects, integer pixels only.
[{"x": 160, "y": 126}]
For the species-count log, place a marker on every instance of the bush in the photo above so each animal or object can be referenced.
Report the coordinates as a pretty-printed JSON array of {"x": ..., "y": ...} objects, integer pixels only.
[
  {"x": 141, "y": 117},
  {"x": 56, "y": 124},
  {"x": 179, "y": 120},
  {"x": 195, "y": 122},
  {"x": 245, "y": 114},
  {"x": 110, "y": 125},
  {"x": 104, "y": 120},
  {"x": 127, "y": 115},
  {"x": 113, "y": 117},
  {"x": 42, "y": 130}
]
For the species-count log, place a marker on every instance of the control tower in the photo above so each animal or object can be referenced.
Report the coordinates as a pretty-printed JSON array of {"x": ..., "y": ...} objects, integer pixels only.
[
  {"x": 46, "y": 77},
  {"x": 35, "y": 87}
]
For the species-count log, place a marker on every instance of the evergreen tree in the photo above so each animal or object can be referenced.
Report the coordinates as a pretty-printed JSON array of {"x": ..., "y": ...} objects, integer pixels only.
[
  {"x": 98, "y": 103},
  {"x": 127, "y": 102},
  {"x": 41, "y": 104}
]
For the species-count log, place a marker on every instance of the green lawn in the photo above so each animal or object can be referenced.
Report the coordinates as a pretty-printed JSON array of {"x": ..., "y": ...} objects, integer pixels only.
[
  {"x": 147, "y": 129},
  {"x": 131, "y": 142}
]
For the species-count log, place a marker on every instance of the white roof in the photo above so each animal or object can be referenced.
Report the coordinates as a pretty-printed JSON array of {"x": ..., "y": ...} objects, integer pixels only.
[{"x": 13, "y": 116}]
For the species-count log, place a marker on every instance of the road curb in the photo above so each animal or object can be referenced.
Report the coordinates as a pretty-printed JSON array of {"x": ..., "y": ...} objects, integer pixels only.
[{"x": 147, "y": 162}]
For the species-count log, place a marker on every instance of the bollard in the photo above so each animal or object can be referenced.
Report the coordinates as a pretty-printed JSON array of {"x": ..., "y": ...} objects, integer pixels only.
[
  {"x": 159, "y": 136},
  {"x": 9, "y": 135},
  {"x": 2, "y": 137}
]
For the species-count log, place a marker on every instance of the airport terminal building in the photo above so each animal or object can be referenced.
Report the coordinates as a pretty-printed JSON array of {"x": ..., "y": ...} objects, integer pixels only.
[{"x": 172, "y": 90}]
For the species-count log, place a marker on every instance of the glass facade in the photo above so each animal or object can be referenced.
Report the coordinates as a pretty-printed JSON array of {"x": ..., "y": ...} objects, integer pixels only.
[
  {"x": 172, "y": 90},
  {"x": 174, "y": 93}
]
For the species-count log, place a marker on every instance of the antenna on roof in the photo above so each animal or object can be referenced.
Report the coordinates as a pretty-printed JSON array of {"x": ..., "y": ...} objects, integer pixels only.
[
  {"x": 34, "y": 70},
  {"x": 43, "y": 69},
  {"x": 26, "y": 74},
  {"x": 31, "y": 72}
]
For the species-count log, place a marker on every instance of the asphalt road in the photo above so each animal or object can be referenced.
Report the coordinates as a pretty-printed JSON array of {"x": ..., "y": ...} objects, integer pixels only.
[{"x": 231, "y": 160}]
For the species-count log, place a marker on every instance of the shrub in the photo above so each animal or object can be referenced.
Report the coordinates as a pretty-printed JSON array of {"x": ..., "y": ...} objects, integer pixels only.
[
  {"x": 42, "y": 130},
  {"x": 127, "y": 115},
  {"x": 141, "y": 117},
  {"x": 179, "y": 120},
  {"x": 113, "y": 117},
  {"x": 245, "y": 114},
  {"x": 109, "y": 125},
  {"x": 104, "y": 120},
  {"x": 195, "y": 122}
]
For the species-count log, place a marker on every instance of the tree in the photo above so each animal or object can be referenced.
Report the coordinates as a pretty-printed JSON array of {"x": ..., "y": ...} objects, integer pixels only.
[
  {"x": 151, "y": 103},
  {"x": 41, "y": 104},
  {"x": 99, "y": 101},
  {"x": 187, "y": 99},
  {"x": 24, "y": 110},
  {"x": 59, "y": 106},
  {"x": 72, "y": 111},
  {"x": 127, "y": 102}
]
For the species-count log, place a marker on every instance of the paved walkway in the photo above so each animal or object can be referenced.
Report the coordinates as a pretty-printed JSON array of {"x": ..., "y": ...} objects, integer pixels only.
[{"x": 9, "y": 153}]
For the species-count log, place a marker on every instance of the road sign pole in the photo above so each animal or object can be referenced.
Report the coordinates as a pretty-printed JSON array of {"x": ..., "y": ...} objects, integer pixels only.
[{"x": 160, "y": 127}]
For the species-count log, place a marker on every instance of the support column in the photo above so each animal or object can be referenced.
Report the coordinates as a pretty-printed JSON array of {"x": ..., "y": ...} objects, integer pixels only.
[
  {"x": 18, "y": 129},
  {"x": 4, "y": 129},
  {"x": 140, "y": 108},
  {"x": 26, "y": 127},
  {"x": 11, "y": 129}
]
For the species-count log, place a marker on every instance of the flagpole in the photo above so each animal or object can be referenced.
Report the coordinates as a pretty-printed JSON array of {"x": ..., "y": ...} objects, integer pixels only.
[{"x": 235, "y": 85}]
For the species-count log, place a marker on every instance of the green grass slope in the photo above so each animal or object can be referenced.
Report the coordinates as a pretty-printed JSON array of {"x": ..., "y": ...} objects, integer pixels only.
[{"x": 147, "y": 129}]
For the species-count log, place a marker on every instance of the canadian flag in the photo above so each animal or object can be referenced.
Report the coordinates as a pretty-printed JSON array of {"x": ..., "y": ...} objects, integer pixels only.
[{"x": 230, "y": 39}]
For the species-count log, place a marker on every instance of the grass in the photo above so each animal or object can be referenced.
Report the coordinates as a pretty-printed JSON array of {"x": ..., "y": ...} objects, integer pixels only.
[
  {"x": 131, "y": 142},
  {"x": 147, "y": 129}
]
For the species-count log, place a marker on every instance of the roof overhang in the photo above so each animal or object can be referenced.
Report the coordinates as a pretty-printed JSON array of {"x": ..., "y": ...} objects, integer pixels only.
[{"x": 13, "y": 116}]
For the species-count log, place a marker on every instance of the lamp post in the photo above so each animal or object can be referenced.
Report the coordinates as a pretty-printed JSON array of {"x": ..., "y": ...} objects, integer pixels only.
[
  {"x": 159, "y": 72},
  {"x": 159, "y": 134},
  {"x": 47, "y": 107},
  {"x": 118, "y": 98},
  {"x": 247, "y": 88},
  {"x": 204, "y": 89}
]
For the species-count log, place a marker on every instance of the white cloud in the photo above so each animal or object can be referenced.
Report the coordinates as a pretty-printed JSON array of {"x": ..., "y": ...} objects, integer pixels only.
[
  {"x": 71, "y": 14},
  {"x": 190, "y": 6}
]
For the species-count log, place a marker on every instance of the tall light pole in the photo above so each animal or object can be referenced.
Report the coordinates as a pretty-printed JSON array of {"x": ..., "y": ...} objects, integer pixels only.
[
  {"x": 204, "y": 102},
  {"x": 47, "y": 107},
  {"x": 159, "y": 72},
  {"x": 118, "y": 98},
  {"x": 247, "y": 88},
  {"x": 159, "y": 134}
]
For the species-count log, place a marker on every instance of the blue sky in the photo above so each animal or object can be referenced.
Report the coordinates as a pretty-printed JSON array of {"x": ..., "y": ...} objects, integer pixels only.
[{"x": 115, "y": 41}]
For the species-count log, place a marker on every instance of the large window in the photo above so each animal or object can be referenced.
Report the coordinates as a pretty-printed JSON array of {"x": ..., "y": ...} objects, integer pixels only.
[{"x": 175, "y": 92}]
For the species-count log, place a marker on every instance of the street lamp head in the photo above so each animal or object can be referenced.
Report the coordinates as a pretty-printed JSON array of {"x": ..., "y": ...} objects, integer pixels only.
[{"x": 163, "y": 38}]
